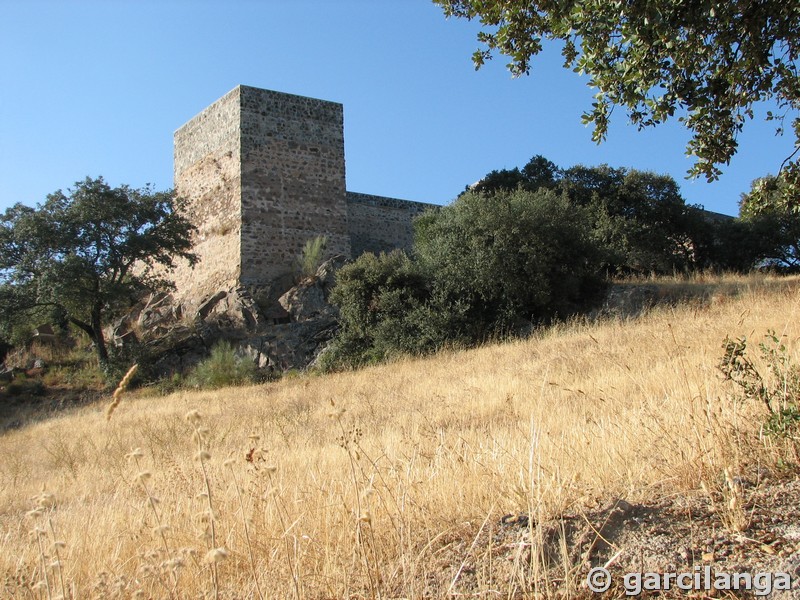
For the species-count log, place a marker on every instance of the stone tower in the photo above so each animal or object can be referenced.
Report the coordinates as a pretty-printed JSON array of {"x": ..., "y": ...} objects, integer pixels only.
[{"x": 263, "y": 173}]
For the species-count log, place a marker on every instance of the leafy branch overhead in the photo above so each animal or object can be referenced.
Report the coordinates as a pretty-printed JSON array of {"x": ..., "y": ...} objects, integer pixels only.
[{"x": 708, "y": 62}]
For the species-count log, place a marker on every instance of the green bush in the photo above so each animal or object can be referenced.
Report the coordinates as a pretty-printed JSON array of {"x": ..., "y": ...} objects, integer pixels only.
[
  {"x": 23, "y": 387},
  {"x": 311, "y": 258},
  {"x": 487, "y": 265},
  {"x": 222, "y": 368},
  {"x": 779, "y": 391},
  {"x": 510, "y": 258},
  {"x": 382, "y": 302}
]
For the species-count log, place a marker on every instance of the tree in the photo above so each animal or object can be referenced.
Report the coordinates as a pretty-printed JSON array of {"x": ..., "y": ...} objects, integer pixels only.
[
  {"x": 741, "y": 244},
  {"x": 707, "y": 61},
  {"x": 639, "y": 216},
  {"x": 90, "y": 253},
  {"x": 538, "y": 173},
  {"x": 765, "y": 211},
  {"x": 500, "y": 260}
]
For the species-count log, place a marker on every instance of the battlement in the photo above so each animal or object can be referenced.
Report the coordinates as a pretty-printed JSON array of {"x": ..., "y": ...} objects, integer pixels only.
[{"x": 263, "y": 172}]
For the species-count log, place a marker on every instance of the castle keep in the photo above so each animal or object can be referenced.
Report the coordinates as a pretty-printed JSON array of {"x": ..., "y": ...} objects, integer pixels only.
[{"x": 263, "y": 172}]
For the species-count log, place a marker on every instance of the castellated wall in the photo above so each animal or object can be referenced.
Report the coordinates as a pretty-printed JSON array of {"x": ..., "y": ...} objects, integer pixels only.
[
  {"x": 208, "y": 176},
  {"x": 378, "y": 224},
  {"x": 264, "y": 172},
  {"x": 293, "y": 180}
]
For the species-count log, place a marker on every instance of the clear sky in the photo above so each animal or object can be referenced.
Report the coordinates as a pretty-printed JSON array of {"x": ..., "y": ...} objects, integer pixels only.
[{"x": 98, "y": 88}]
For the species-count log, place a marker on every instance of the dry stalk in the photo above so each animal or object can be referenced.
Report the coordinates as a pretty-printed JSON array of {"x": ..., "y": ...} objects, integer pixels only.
[
  {"x": 117, "y": 397},
  {"x": 230, "y": 463},
  {"x": 215, "y": 554}
]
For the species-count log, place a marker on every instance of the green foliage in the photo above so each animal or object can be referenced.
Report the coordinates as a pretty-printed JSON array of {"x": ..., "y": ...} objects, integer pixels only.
[
  {"x": 384, "y": 304},
  {"x": 639, "y": 217},
  {"x": 539, "y": 172},
  {"x": 764, "y": 208},
  {"x": 741, "y": 244},
  {"x": 485, "y": 266},
  {"x": 89, "y": 254},
  {"x": 508, "y": 257},
  {"x": 779, "y": 392},
  {"x": 705, "y": 62},
  {"x": 26, "y": 388},
  {"x": 222, "y": 368},
  {"x": 311, "y": 258},
  {"x": 167, "y": 385},
  {"x": 122, "y": 358}
]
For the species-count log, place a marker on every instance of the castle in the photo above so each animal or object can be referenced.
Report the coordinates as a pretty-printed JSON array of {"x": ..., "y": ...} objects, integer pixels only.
[{"x": 263, "y": 172}]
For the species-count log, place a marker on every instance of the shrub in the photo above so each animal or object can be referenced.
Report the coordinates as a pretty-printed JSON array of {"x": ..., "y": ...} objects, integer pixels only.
[
  {"x": 382, "y": 302},
  {"x": 23, "y": 387},
  {"x": 311, "y": 258},
  {"x": 510, "y": 258},
  {"x": 222, "y": 368},
  {"x": 779, "y": 392},
  {"x": 483, "y": 266}
]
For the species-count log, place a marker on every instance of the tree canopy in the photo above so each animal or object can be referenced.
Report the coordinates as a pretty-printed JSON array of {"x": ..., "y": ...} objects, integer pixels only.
[
  {"x": 90, "y": 252},
  {"x": 640, "y": 217},
  {"x": 485, "y": 265},
  {"x": 763, "y": 209},
  {"x": 706, "y": 62}
]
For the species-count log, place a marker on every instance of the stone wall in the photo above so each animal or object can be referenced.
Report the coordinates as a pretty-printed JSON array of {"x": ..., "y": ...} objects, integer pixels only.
[
  {"x": 264, "y": 172},
  {"x": 293, "y": 180},
  {"x": 378, "y": 224},
  {"x": 208, "y": 176}
]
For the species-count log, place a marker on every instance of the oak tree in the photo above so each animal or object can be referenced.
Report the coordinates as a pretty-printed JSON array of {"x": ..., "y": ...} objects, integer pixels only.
[
  {"x": 89, "y": 253},
  {"x": 706, "y": 62},
  {"x": 764, "y": 209}
]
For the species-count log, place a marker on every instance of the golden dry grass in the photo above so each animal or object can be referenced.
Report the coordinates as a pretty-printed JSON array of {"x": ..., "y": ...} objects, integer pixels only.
[{"x": 377, "y": 483}]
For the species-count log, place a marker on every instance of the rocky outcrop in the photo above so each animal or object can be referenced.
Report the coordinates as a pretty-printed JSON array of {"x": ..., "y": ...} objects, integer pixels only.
[
  {"x": 285, "y": 334},
  {"x": 308, "y": 300}
]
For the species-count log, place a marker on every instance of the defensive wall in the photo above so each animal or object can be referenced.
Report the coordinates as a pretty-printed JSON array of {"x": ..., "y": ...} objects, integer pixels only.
[{"x": 263, "y": 172}]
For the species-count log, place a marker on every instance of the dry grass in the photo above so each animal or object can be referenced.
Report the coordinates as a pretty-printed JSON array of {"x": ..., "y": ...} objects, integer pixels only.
[{"x": 385, "y": 482}]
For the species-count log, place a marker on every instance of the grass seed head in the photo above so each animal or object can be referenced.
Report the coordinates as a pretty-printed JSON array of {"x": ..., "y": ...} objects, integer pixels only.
[
  {"x": 143, "y": 476},
  {"x": 193, "y": 416},
  {"x": 118, "y": 393},
  {"x": 216, "y": 555},
  {"x": 136, "y": 453}
]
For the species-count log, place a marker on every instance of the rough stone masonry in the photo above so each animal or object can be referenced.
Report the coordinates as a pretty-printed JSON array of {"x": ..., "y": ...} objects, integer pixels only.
[{"x": 264, "y": 172}]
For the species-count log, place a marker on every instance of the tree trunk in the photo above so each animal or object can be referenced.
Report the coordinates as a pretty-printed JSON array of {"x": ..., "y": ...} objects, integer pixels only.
[
  {"x": 99, "y": 340},
  {"x": 95, "y": 333}
]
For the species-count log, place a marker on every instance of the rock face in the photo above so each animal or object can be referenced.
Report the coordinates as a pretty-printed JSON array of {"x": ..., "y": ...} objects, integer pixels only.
[
  {"x": 308, "y": 300},
  {"x": 282, "y": 335}
]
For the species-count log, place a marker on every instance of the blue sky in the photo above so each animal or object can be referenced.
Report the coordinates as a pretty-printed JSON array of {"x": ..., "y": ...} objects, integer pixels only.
[{"x": 98, "y": 88}]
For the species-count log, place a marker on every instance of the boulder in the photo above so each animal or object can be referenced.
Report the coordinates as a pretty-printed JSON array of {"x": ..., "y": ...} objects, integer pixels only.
[
  {"x": 290, "y": 345},
  {"x": 232, "y": 311},
  {"x": 159, "y": 313},
  {"x": 308, "y": 300},
  {"x": 287, "y": 334}
]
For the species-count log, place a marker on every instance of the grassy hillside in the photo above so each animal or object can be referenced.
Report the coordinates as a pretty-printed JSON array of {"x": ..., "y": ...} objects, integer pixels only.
[{"x": 380, "y": 483}]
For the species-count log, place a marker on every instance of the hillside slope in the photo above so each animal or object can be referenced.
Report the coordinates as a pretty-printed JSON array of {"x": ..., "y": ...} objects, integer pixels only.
[{"x": 418, "y": 478}]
